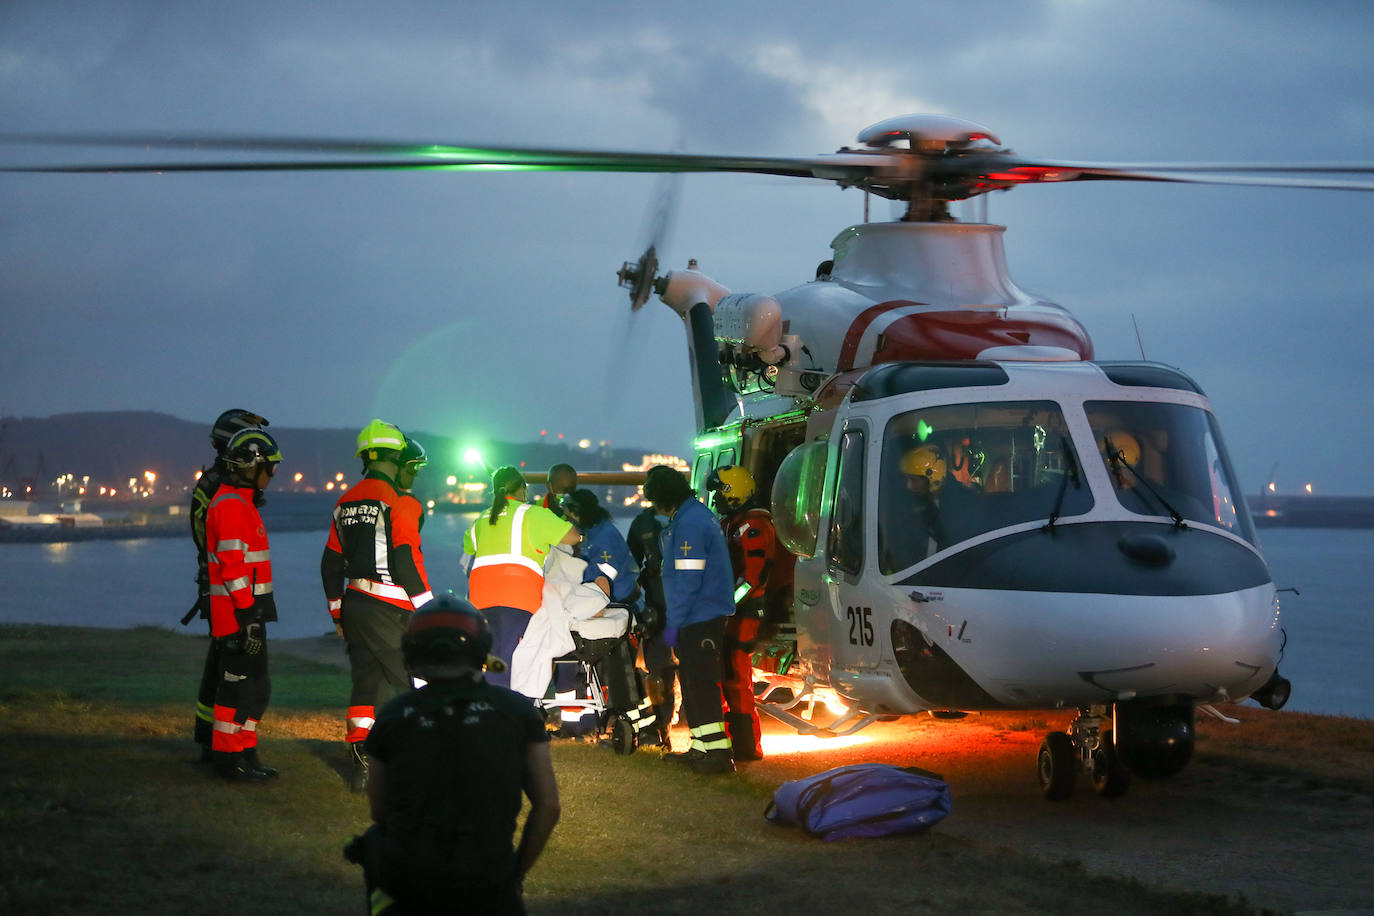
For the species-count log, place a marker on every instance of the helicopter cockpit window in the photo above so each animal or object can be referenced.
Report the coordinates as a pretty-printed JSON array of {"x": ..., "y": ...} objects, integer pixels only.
[
  {"x": 953, "y": 472},
  {"x": 797, "y": 488},
  {"x": 847, "y": 511},
  {"x": 1167, "y": 459}
]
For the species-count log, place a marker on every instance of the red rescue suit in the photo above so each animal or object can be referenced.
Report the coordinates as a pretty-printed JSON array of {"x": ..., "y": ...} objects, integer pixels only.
[
  {"x": 752, "y": 542},
  {"x": 240, "y": 571}
]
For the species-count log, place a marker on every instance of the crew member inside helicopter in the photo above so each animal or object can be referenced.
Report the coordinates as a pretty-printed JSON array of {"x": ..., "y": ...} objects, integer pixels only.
[{"x": 931, "y": 520}]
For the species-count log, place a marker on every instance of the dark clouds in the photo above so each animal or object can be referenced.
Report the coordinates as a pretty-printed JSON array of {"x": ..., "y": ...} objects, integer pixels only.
[{"x": 486, "y": 300}]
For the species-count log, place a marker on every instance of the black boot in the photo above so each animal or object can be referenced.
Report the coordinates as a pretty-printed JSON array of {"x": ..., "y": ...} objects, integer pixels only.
[
  {"x": 251, "y": 761},
  {"x": 357, "y": 780},
  {"x": 717, "y": 761},
  {"x": 230, "y": 767},
  {"x": 686, "y": 756}
]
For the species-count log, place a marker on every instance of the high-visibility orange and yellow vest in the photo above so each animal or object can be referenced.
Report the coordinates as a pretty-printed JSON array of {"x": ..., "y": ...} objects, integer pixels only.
[{"x": 508, "y": 569}]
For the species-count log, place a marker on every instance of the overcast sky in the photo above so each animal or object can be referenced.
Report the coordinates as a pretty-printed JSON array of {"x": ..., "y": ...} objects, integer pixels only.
[{"x": 487, "y": 302}]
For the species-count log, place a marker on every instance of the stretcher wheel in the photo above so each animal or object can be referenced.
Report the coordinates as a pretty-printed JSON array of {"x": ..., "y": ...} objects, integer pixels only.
[{"x": 623, "y": 739}]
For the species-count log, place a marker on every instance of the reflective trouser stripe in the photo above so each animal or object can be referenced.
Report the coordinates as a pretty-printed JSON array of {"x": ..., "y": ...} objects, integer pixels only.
[
  {"x": 227, "y": 733},
  {"x": 360, "y": 719},
  {"x": 204, "y": 713},
  {"x": 710, "y": 737},
  {"x": 248, "y": 735},
  {"x": 642, "y": 716}
]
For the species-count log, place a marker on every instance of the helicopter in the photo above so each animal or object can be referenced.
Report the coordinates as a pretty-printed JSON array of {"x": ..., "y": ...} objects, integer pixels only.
[{"x": 983, "y": 515}]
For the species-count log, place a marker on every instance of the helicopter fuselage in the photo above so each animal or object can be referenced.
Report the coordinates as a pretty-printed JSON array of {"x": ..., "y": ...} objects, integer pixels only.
[
  {"x": 1113, "y": 600},
  {"x": 1049, "y": 573}
]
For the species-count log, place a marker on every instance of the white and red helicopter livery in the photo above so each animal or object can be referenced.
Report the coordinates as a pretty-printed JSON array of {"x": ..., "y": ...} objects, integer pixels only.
[{"x": 984, "y": 516}]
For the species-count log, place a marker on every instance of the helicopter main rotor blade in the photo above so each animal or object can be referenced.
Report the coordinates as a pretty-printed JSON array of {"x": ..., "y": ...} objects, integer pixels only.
[
  {"x": 362, "y": 155},
  {"x": 990, "y": 172},
  {"x": 888, "y": 171}
]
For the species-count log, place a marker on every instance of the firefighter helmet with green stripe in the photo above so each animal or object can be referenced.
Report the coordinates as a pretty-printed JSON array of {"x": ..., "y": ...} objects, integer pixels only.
[
  {"x": 378, "y": 437},
  {"x": 249, "y": 448},
  {"x": 413, "y": 455},
  {"x": 230, "y": 422}
]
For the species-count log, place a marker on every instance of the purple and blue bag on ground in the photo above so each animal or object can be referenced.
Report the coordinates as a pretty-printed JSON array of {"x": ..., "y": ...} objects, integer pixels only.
[{"x": 861, "y": 800}]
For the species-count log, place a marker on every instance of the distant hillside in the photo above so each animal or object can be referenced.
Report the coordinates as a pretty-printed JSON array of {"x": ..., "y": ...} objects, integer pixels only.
[{"x": 112, "y": 447}]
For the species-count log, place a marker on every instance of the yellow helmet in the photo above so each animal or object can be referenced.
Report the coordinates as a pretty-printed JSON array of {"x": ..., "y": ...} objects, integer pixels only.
[
  {"x": 733, "y": 485},
  {"x": 926, "y": 461},
  {"x": 379, "y": 436},
  {"x": 1121, "y": 447}
]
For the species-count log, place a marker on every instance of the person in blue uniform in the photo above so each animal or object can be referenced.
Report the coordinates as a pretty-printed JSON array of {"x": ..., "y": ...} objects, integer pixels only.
[
  {"x": 609, "y": 561},
  {"x": 698, "y": 585}
]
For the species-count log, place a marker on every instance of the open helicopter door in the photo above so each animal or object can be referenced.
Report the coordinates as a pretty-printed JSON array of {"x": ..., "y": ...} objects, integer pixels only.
[{"x": 857, "y": 640}]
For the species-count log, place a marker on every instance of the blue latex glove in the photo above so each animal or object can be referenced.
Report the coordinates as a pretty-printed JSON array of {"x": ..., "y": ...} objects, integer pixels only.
[{"x": 670, "y": 637}]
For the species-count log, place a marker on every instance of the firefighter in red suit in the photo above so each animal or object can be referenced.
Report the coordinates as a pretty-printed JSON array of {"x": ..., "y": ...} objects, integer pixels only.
[
  {"x": 750, "y": 537},
  {"x": 241, "y": 603}
]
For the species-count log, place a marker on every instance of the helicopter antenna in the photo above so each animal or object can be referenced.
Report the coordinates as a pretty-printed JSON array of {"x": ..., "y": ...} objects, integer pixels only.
[{"x": 1138, "y": 342}]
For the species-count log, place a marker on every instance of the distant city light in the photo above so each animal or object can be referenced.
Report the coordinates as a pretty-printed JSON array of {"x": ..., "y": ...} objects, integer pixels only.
[
  {"x": 329, "y": 486},
  {"x": 339, "y": 476},
  {"x": 1308, "y": 488},
  {"x": 451, "y": 480},
  {"x": 584, "y": 443},
  {"x": 299, "y": 476}
]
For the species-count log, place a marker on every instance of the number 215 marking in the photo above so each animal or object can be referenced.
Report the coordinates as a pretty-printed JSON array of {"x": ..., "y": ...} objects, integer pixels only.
[{"x": 860, "y": 625}]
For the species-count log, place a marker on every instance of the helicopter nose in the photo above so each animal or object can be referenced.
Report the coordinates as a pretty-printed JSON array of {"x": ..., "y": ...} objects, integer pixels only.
[{"x": 1146, "y": 549}]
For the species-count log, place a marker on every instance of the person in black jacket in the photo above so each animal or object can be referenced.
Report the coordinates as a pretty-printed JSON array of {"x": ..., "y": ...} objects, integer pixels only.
[
  {"x": 658, "y": 657},
  {"x": 449, "y": 762}
]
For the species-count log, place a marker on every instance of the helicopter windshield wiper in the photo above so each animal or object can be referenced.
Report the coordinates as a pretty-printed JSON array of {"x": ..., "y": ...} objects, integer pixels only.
[
  {"x": 1070, "y": 471},
  {"x": 1118, "y": 459}
]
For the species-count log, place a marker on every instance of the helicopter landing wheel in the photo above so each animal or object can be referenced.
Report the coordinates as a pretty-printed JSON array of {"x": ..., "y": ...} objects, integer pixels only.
[
  {"x": 1058, "y": 766},
  {"x": 1109, "y": 775}
]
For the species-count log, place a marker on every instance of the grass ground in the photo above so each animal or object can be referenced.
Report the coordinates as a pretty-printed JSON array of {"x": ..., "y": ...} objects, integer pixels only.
[{"x": 103, "y": 809}]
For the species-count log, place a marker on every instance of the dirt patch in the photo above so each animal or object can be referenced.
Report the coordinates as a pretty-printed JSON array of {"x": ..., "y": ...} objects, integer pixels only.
[
  {"x": 1247, "y": 819},
  {"x": 1276, "y": 812}
]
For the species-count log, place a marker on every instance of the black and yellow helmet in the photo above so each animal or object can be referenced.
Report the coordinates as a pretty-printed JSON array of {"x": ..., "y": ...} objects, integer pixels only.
[
  {"x": 250, "y": 447},
  {"x": 230, "y": 422},
  {"x": 413, "y": 455}
]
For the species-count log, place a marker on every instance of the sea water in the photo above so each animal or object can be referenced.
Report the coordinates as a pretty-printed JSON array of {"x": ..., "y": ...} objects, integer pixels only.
[{"x": 1329, "y": 620}]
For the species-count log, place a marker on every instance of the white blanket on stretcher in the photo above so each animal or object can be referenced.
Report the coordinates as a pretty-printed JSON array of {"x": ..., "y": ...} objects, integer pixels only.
[{"x": 569, "y": 605}]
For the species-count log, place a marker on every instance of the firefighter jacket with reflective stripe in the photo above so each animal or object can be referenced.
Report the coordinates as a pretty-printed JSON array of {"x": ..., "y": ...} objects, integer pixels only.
[
  {"x": 750, "y": 536},
  {"x": 239, "y": 562},
  {"x": 508, "y": 569},
  {"x": 697, "y": 576},
  {"x": 374, "y": 547}
]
